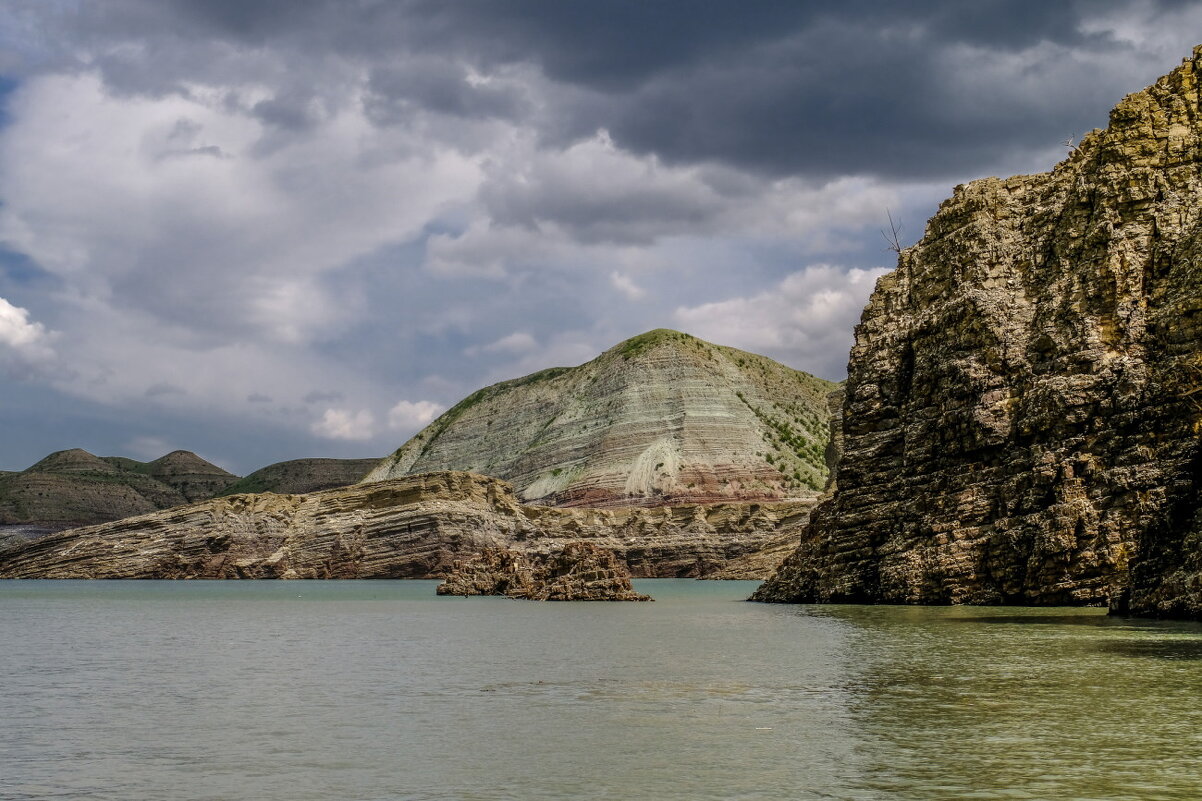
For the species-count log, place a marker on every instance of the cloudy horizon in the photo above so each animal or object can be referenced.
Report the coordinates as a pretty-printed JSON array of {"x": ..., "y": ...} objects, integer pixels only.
[{"x": 271, "y": 230}]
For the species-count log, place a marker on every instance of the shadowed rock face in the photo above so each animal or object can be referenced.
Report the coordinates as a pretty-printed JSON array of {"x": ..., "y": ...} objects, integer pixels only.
[
  {"x": 412, "y": 527},
  {"x": 663, "y": 418},
  {"x": 1022, "y": 410},
  {"x": 299, "y": 476},
  {"x": 578, "y": 571}
]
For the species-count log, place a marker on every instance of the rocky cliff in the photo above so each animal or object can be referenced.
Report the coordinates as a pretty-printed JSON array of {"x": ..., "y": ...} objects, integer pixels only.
[
  {"x": 74, "y": 488},
  {"x": 1022, "y": 412},
  {"x": 663, "y": 418},
  {"x": 300, "y": 476},
  {"x": 577, "y": 571},
  {"x": 412, "y": 527}
]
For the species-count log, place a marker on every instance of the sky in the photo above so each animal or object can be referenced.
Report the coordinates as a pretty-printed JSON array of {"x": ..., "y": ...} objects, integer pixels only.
[{"x": 293, "y": 228}]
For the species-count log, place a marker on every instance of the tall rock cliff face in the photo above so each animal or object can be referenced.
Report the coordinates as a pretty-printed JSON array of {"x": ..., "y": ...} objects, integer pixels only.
[
  {"x": 663, "y": 418},
  {"x": 1022, "y": 410},
  {"x": 411, "y": 527}
]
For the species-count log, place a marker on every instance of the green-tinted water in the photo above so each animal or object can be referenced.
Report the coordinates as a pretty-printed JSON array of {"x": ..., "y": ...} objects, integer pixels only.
[{"x": 380, "y": 690}]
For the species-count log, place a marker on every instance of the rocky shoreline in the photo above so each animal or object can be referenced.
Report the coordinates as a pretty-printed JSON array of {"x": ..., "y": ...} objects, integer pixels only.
[
  {"x": 1021, "y": 424},
  {"x": 413, "y": 527}
]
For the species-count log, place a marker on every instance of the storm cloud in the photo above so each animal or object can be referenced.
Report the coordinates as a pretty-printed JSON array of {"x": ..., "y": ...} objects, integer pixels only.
[{"x": 397, "y": 202}]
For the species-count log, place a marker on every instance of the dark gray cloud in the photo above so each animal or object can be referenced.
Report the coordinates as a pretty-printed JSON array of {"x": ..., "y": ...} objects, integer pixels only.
[
  {"x": 902, "y": 88},
  {"x": 319, "y": 396},
  {"x": 163, "y": 388},
  {"x": 370, "y": 199}
]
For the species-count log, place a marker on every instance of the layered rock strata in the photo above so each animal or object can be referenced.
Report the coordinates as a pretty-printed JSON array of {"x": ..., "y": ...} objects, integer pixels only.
[
  {"x": 1022, "y": 413},
  {"x": 661, "y": 419},
  {"x": 577, "y": 571},
  {"x": 74, "y": 488},
  {"x": 413, "y": 527}
]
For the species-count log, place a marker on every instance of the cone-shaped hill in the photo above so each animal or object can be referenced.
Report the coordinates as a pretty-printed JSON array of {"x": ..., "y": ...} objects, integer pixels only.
[
  {"x": 74, "y": 488},
  {"x": 663, "y": 418}
]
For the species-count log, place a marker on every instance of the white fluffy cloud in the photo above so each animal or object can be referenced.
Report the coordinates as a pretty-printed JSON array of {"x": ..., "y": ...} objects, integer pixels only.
[
  {"x": 345, "y": 424},
  {"x": 192, "y": 208},
  {"x": 411, "y": 415},
  {"x": 806, "y": 320},
  {"x": 24, "y": 344},
  {"x": 16, "y": 331}
]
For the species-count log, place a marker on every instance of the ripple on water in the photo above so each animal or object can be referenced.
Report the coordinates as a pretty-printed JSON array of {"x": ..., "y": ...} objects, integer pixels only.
[{"x": 371, "y": 690}]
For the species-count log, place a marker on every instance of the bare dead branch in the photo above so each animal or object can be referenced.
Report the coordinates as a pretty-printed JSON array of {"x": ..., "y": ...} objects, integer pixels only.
[{"x": 893, "y": 235}]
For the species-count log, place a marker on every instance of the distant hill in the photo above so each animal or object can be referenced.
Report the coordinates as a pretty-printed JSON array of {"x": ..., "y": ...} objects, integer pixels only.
[
  {"x": 300, "y": 476},
  {"x": 75, "y": 488},
  {"x": 662, "y": 418}
]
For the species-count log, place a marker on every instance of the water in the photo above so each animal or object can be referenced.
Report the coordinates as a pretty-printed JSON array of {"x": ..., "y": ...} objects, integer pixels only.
[{"x": 380, "y": 690}]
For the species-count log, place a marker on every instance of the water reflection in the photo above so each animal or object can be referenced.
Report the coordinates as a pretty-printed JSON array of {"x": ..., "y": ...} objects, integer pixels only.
[
  {"x": 182, "y": 692},
  {"x": 1025, "y": 704}
]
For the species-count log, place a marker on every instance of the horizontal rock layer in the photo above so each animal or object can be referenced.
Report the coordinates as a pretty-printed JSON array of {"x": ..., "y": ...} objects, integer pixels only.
[
  {"x": 1021, "y": 423},
  {"x": 660, "y": 419},
  {"x": 412, "y": 527}
]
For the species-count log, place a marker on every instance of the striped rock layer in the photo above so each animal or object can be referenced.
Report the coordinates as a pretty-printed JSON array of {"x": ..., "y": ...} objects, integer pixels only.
[{"x": 660, "y": 419}]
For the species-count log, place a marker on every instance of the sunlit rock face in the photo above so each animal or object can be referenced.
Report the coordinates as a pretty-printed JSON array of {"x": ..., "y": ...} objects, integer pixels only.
[
  {"x": 1022, "y": 410},
  {"x": 663, "y": 418},
  {"x": 411, "y": 527}
]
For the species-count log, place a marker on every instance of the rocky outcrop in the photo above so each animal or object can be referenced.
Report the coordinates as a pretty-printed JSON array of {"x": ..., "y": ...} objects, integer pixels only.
[
  {"x": 299, "y": 476},
  {"x": 412, "y": 527},
  {"x": 74, "y": 488},
  {"x": 661, "y": 419},
  {"x": 576, "y": 571},
  {"x": 1022, "y": 409}
]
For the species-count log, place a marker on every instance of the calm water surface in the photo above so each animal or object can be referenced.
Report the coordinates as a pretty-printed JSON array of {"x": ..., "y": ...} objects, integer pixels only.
[{"x": 380, "y": 690}]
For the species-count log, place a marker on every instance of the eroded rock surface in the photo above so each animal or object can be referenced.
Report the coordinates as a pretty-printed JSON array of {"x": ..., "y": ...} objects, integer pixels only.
[
  {"x": 1021, "y": 422},
  {"x": 412, "y": 527},
  {"x": 661, "y": 419},
  {"x": 574, "y": 571}
]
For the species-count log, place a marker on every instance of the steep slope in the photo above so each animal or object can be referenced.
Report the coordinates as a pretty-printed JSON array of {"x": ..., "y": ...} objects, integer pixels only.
[
  {"x": 74, "y": 488},
  {"x": 663, "y": 418},
  {"x": 412, "y": 527},
  {"x": 299, "y": 476},
  {"x": 1022, "y": 421}
]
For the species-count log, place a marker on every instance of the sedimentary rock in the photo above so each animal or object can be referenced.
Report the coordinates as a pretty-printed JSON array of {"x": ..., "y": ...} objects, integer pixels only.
[
  {"x": 660, "y": 419},
  {"x": 300, "y": 476},
  {"x": 412, "y": 527},
  {"x": 575, "y": 571},
  {"x": 1022, "y": 410},
  {"x": 74, "y": 488}
]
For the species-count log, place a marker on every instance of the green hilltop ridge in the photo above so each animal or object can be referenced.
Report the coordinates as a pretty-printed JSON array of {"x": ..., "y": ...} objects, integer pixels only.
[
  {"x": 76, "y": 488},
  {"x": 661, "y": 418},
  {"x": 300, "y": 476}
]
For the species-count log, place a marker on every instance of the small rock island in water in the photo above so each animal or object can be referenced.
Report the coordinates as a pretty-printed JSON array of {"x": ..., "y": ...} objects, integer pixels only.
[{"x": 577, "y": 571}]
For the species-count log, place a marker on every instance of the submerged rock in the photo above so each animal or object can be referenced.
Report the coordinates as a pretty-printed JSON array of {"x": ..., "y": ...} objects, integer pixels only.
[
  {"x": 1022, "y": 415},
  {"x": 576, "y": 571}
]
